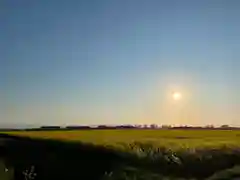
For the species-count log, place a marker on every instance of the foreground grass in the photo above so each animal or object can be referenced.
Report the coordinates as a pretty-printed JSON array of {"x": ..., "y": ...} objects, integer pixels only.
[
  {"x": 136, "y": 174},
  {"x": 5, "y": 175},
  {"x": 127, "y": 154}
]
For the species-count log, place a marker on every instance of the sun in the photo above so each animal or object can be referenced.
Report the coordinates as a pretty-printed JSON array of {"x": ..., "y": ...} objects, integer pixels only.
[{"x": 176, "y": 96}]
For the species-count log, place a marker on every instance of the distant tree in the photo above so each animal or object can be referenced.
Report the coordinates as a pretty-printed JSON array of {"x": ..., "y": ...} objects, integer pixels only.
[
  {"x": 209, "y": 126},
  {"x": 102, "y": 127},
  {"x": 125, "y": 127},
  {"x": 138, "y": 126},
  {"x": 78, "y": 127},
  {"x": 50, "y": 127},
  {"x": 153, "y": 126},
  {"x": 225, "y": 126},
  {"x": 145, "y": 126},
  {"x": 166, "y": 126}
]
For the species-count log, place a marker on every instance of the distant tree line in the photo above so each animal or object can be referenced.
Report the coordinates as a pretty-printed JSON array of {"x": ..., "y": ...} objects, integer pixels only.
[{"x": 151, "y": 126}]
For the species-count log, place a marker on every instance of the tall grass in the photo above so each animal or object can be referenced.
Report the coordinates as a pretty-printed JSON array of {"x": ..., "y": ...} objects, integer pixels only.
[
  {"x": 173, "y": 139},
  {"x": 61, "y": 159}
]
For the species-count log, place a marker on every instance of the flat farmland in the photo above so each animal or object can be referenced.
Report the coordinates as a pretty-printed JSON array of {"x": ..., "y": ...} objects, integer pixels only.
[
  {"x": 167, "y": 138},
  {"x": 137, "y": 153}
]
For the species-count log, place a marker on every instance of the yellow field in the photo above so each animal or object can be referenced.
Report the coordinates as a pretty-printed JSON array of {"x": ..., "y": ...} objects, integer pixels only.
[{"x": 168, "y": 138}]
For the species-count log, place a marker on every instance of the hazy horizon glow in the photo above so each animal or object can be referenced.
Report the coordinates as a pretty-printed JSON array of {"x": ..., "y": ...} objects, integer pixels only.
[{"x": 118, "y": 62}]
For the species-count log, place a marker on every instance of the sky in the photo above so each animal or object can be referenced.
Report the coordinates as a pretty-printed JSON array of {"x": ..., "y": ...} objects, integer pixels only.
[{"x": 118, "y": 61}]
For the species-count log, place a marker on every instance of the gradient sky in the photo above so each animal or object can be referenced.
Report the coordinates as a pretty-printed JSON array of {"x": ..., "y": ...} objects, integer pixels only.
[{"x": 118, "y": 61}]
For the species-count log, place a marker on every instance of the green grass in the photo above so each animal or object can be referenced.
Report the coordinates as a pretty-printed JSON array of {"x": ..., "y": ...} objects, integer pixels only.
[
  {"x": 5, "y": 175},
  {"x": 167, "y": 138},
  {"x": 137, "y": 154}
]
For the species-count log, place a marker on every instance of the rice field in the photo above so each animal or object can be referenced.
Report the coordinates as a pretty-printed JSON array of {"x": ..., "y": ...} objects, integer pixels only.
[{"x": 167, "y": 138}]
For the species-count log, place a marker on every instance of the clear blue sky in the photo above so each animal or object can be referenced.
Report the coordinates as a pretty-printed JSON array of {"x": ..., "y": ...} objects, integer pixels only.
[{"x": 118, "y": 61}]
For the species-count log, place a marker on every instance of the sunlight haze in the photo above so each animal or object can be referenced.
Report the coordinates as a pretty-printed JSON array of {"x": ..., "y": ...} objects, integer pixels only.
[{"x": 119, "y": 62}]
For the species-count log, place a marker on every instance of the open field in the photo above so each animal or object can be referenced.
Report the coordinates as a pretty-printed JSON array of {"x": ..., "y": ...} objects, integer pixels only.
[
  {"x": 167, "y": 138},
  {"x": 132, "y": 154}
]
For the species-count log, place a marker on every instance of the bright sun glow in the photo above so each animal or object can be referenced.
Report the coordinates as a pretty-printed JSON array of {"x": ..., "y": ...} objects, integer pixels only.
[{"x": 176, "y": 96}]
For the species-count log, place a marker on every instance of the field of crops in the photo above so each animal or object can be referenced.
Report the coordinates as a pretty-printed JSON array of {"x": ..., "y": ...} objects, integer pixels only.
[
  {"x": 167, "y": 138},
  {"x": 136, "y": 154}
]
